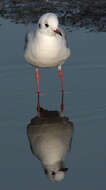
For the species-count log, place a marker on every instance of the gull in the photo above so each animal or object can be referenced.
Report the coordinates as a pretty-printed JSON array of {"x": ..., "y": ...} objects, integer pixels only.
[
  {"x": 50, "y": 137},
  {"x": 46, "y": 47}
]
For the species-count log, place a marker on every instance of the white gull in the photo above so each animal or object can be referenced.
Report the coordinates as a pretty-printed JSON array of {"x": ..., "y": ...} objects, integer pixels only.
[
  {"x": 50, "y": 137},
  {"x": 47, "y": 46}
]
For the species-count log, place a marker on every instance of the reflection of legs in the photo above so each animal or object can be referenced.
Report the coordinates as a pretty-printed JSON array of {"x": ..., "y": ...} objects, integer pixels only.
[
  {"x": 38, "y": 104},
  {"x": 61, "y": 78},
  {"x": 62, "y": 102},
  {"x": 37, "y": 80}
]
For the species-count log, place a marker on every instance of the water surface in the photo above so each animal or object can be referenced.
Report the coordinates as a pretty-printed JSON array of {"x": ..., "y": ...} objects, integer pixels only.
[{"x": 84, "y": 105}]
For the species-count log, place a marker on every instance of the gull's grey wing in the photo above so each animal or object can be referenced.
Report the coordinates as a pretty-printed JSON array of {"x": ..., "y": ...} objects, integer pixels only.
[
  {"x": 28, "y": 36},
  {"x": 70, "y": 133},
  {"x": 65, "y": 37},
  {"x": 26, "y": 40}
]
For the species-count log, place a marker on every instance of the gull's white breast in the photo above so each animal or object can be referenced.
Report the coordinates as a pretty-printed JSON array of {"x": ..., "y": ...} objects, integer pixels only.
[
  {"x": 50, "y": 143},
  {"x": 46, "y": 51}
]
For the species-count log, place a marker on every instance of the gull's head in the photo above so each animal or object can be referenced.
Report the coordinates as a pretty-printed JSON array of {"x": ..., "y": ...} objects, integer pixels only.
[
  {"x": 48, "y": 24},
  {"x": 56, "y": 171},
  {"x": 56, "y": 175}
]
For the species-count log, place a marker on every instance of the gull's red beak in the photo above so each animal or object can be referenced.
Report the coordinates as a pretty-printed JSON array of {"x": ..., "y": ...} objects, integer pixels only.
[
  {"x": 57, "y": 31},
  {"x": 63, "y": 169}
]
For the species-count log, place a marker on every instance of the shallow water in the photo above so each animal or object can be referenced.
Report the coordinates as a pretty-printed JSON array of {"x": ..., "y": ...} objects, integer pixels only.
[{"x": 84, "y": 105}]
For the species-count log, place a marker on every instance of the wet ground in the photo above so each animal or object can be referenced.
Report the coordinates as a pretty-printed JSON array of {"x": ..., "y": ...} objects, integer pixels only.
[{"x": 84, "y": 98}]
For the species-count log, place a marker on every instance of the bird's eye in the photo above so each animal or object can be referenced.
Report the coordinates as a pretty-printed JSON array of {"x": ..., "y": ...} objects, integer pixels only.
[
  {"x": 53, "y": 173},
  {"x": 47, "y": 25},
  {"x": 39, "y": 25}
]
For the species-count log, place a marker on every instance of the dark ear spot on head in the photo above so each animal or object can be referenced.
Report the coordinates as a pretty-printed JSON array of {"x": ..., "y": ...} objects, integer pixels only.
[
  {"x": 46, "y": 172},
  {"x": 63, "y": 169},
  {"x": 39, "y": 25}
]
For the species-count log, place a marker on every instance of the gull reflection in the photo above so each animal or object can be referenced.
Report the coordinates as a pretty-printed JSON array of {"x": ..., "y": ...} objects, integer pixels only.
[{"x": 50, "y": 136}]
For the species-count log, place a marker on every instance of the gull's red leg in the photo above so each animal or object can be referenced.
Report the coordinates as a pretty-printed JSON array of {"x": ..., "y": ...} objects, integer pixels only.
[
  {"x": 62, "y": 102},
  {"x": 37, "y": 80},
  {"x": 38, "y": 105},
  {"x": 61, "y": 78}
]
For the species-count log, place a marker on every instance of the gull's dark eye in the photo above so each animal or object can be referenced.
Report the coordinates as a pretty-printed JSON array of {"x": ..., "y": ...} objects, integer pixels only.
[
  {"x": 53, "y": 173},
  {"x": 39, "y": 25},
  {"x": 47, "y": 25}
]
